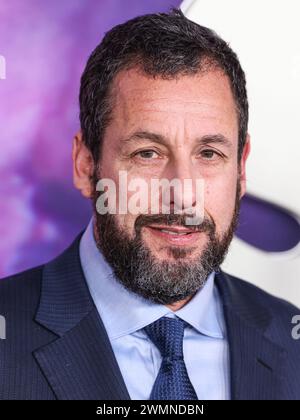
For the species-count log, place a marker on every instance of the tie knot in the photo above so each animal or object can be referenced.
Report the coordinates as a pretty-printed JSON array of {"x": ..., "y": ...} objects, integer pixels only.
[{"x": 167, "y": 334}]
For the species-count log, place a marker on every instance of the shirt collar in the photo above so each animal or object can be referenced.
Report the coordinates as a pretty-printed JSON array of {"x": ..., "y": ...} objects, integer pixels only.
[{"x": 124, "y": 312}]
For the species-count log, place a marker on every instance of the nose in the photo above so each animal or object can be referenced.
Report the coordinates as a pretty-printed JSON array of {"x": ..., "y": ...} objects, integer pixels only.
[{"x": 186, "y": 191}]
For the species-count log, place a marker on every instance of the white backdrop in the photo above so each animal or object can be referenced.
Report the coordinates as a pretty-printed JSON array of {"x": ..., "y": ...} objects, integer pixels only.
[{"x": 266, "y": 36}]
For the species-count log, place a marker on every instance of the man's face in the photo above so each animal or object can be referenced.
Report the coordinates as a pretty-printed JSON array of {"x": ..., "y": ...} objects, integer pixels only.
[
  {"x": 185, "y": 128},
  {"x": 183, "y": 112}
]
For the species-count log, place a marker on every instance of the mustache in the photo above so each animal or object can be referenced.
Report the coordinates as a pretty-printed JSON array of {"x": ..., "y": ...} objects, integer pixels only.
[{"x": 208, "y": 225}]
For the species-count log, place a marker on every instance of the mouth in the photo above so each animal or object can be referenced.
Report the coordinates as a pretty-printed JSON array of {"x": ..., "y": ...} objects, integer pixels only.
[{"x": 174, "y": 234}]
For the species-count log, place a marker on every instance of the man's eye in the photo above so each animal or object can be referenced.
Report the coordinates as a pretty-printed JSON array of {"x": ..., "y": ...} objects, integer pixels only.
[
  {"x": 208, "y": 154},
  {"x": 147, "y": 154}
]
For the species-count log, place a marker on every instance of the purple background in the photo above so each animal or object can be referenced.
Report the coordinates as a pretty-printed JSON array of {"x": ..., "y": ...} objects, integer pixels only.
[{"x": 46, "y": 45}]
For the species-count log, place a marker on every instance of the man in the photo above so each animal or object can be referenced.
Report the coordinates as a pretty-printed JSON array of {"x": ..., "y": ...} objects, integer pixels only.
[{"x": 138, "y": 307}]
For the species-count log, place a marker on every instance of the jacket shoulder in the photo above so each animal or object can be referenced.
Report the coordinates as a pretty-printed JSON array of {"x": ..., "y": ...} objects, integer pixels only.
[
  {"x": 282, "y": 313},
  {"x": 273, "y": 303},
  {"x": 22, "y": 290}
]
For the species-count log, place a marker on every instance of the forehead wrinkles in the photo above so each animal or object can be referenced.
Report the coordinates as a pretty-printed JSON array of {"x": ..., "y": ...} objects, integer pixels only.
[
  {"x": 135, "y": 94},
  {"x": 130, "y": 109}
]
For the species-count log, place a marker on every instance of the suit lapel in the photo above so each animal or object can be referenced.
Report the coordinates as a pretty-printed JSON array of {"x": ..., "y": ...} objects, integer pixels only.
[
  {"x": 80, "y": 363},
  {"x": 256, "y": 362}
]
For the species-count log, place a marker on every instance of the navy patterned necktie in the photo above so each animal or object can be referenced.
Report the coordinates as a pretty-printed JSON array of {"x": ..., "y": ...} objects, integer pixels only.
[{"x": 172, "y": 382}]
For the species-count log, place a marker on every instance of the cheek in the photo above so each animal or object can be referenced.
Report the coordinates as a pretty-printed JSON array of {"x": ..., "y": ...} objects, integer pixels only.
[
  {"x": 220, "y": 197},
  {"x": 125, "y": 200},
  {"x": 126, "y": 223}
]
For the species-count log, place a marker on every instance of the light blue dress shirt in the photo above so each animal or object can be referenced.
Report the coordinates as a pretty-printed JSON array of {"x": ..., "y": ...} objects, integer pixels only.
[{"x": 124, "y": 314}]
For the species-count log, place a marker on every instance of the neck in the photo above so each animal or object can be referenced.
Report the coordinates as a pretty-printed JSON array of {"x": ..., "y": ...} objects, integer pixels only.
[{"x": 179, "y": 304}]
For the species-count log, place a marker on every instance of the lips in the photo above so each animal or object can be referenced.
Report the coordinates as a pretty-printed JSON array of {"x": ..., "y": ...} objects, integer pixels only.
[
  {"x": 174, "y": 234},
  {"x": 173, "y": 230}
]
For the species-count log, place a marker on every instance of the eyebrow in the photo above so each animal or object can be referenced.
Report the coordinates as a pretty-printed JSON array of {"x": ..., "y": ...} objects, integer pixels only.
[{"x": 158, "y": 138}]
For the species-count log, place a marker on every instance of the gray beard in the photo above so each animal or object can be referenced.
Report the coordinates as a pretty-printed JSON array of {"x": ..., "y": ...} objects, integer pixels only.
[{"x": 164, "y": 282}]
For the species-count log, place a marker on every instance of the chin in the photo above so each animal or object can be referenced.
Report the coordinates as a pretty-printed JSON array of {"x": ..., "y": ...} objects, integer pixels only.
[{"x": 172, "y": 254}]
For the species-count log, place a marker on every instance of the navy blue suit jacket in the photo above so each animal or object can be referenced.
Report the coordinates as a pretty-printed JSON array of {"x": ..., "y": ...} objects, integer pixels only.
[{"x": 56, "y": 346}]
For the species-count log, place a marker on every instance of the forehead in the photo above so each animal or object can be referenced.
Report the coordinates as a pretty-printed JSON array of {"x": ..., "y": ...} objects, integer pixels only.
[{"x": 200, "y": 99}]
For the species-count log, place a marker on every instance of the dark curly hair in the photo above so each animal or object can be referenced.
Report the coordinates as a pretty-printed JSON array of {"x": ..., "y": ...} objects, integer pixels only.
[{"x": 161, "y": 44}]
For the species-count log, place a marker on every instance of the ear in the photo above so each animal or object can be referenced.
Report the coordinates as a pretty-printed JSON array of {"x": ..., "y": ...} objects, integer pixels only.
[
  {"x": 244, "y": 158},
  {"x": 83, "y": 166}
]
